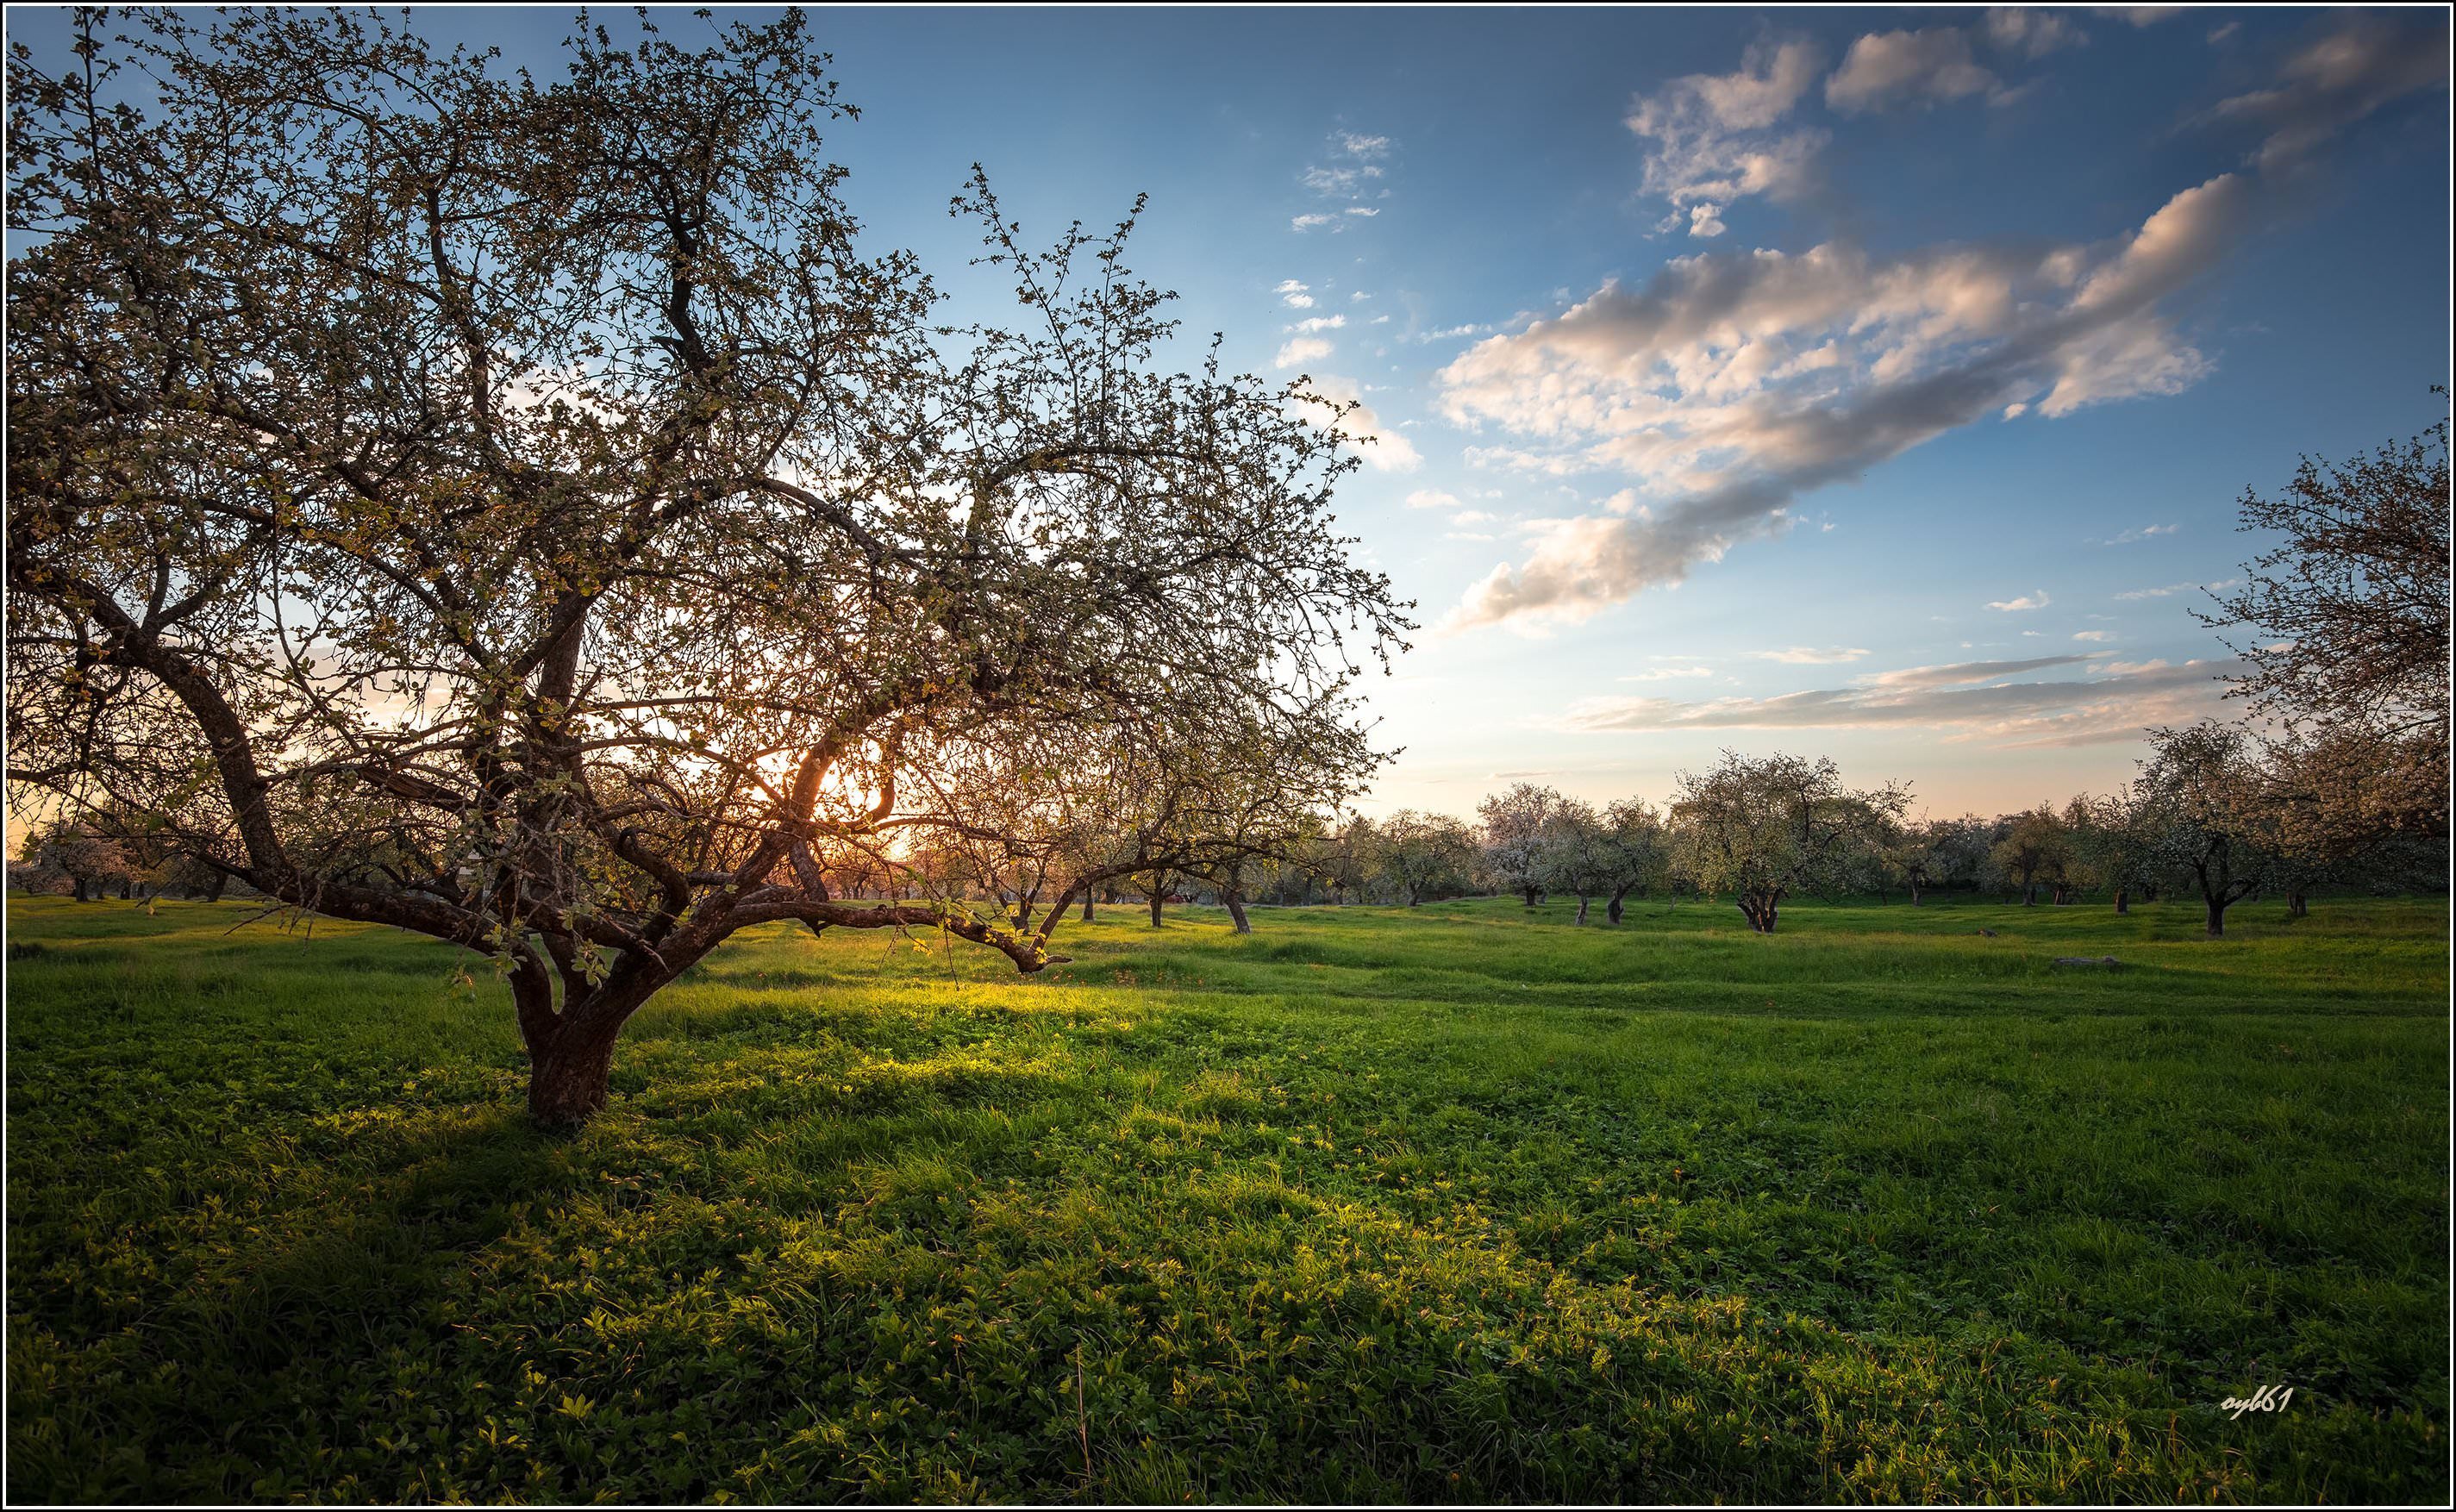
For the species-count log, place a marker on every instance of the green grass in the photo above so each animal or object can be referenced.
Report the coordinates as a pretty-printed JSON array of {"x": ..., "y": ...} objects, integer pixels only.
[{"x": 1373, "y": 1205}]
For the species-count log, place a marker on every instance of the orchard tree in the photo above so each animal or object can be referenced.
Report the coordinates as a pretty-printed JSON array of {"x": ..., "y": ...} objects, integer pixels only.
[
  {"x": 2200, "y": 795},
  {"x": 2348, "y": 634},
  {"x": 514, "y": 509},
  {"x": 1517, "y": 829},
  {"x": 2034, "y": 849},
  {"x": 1765, "y": 828},
  {"x": 1577, "y": 855},
  {"x": 1638, "y": 851},
  {"x": 1425, "y": 855}
]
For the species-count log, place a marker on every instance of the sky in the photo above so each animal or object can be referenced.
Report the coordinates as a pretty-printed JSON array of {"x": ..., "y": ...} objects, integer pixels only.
[{"x": 1877, "y": 383}]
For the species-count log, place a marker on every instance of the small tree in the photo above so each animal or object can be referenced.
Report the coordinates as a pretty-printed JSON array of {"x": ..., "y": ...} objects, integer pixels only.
[
  {"x": 1426, "y": 856},
  {"x": 2200, "y": 796},
  {"x": 1764, "y": 829},
  {"x": 1638, "y": 851},
  {"x": 2034, "y": 849},
  {"x": 1577, "y": 855},
  {"x": 1517, "y": 829}
]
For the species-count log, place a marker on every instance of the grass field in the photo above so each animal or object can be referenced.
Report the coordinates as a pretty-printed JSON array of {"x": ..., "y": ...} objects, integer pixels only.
[{"x": 1457, "y": 1204}]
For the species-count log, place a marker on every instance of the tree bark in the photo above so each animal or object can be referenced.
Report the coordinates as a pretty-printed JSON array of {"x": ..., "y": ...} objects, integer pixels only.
[
  {"x": 1915, "y": 894},
  {"x": 571, "y": 1076},
  {"x": 2216, "y": 919},
  {"x": 2297, "y": 906},
  {"x": 1581, "y": 908},
  {"x": 1530, "y": 897},
  {"x": 1614, "y": 909},
  {"x": 1087, "y": 905},
  {"x": 2123, "y": 901},
  {"x": 1237, "y": 911},
  {"x": 1158, "y": 887}
]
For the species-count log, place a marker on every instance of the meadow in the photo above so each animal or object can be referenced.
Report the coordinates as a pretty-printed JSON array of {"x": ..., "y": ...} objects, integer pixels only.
[{"x": 1461, "y": 1203}]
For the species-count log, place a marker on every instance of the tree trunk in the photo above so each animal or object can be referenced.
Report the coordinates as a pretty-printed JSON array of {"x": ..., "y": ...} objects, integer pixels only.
[
  {"x": 80, "y": 889},
  {"x": 2216, "y": 919},
  {"x": 570, "y": 1077},
  {"x": 124, "y": 885},
  {"x": 2123, "y": 901},
  {"x": 213, "y": 888},
  {"x": 2029, "y": 895},
  {"x": 1581, "y": 908},
  {"x": 1237, "y": 909},
  {"x": 1087, "y": 905},
  {"x": 2297, "y": 906},
  {"x": 1159, "y": 886},
  {"x": 1759, "y": 912},
  {"x": 1612, "y": 909},
  {"x": 1530, "y": 897},
  {"x": 1022, "y": 914},
  {"x": 1915, "y": 894}
]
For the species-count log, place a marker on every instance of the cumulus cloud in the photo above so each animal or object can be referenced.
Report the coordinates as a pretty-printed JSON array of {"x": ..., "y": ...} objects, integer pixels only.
[
  {"x": 1884, "y": 70},
  {"x": 1731, "y": 383},
  {"x": 2326, "y": 87},
  {"x": 1432, "y": 498},
  {"x": 1972, "y": 701},
  {"x": 1319, "y": 322},
  {"x": 1294, "y": 295},
  {"x": 1711, "y": 133},
  {"x": 1382, "y": 447},
  {"x": 2027, "y": 601},
  {"x": 1301, "y": 349}
]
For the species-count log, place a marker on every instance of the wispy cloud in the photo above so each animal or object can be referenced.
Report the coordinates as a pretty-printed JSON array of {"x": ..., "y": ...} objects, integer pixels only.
[
  {"x": 2172, "y": 588},
  {"x": 2138, "y": 534},
  {"x": 1319, "y": 322},
  {"x": 2027, "y": 601},
  {"x": 1294, "y": 295},
  {"x": 2367, "y": 62},
  {"x": 1432, "y": 498},
  {"x": 1355, "y": 175},
  {"x": 1813, "y": 656},
  {"x": 1961, "y": 702}
]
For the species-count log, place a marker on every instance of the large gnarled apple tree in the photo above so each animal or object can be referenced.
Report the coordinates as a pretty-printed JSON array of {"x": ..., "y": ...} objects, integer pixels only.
[{"x": 514, "y": 510}]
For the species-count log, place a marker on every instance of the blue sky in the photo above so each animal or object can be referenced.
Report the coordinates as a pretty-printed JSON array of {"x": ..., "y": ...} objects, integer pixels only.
[{"x": 1877, "y": 383}]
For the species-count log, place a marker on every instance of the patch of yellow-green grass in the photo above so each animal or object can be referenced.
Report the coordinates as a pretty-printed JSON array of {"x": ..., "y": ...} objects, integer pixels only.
[{"x": 1445, "y": 1205}]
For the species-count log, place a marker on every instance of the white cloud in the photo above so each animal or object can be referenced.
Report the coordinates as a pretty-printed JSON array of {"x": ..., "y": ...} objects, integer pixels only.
[
  {"x": 1294, "y": 295},
  {"x": 1381, "y": 446},
  {"x": 2092, "y": 635},
  {"x": 1887, "y": 69},
  {"x": 2172, "y": 588},
  {"x": 1735, "y": 382},
  {"x": 2027, "y": 601},
  {"x": 2137, "y": 533},
  {"x": 1971, "y": 701},
  {"x": 1813, "y": 656},
  {"x": 1319, "y": 322},
  {"x": 1663, "y": 674},
  {"x": 1301, "y": 349},
  {"x": 1308, "y": 222},
  {"x": 1367, "y": 147},
  {"x": 1363, "y": 210},
  {"x": 1432, "y": 498},
  {"x": 1706, "y": 219},
  {"x": 1711, "y": 132}
]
